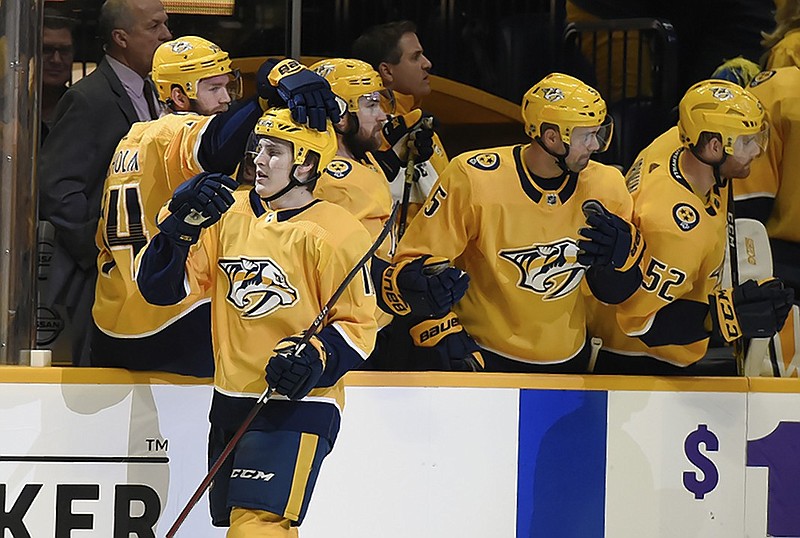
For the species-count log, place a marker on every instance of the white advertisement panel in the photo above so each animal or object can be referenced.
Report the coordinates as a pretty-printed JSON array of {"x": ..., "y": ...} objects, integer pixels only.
[
  {"x": 122, "y": 460},
  {"x": 675, "y": 464},
  {"x": 105, "y": 460},
  {"x": 101, "y": 460},
  {"x": 420, "y": 462}
]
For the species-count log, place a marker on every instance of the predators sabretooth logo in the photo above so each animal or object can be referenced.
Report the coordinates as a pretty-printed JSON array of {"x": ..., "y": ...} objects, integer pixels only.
[
  {"x": 258, "y": 286},
  {"x": 551, "y": 269}
]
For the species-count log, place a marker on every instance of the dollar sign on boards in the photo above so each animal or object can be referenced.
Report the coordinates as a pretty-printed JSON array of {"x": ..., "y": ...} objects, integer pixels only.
[{"x": 691, "y": 447}]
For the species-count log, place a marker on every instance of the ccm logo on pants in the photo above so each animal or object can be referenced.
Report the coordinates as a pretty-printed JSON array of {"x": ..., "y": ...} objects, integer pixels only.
[{"x": 252, "y": 474}]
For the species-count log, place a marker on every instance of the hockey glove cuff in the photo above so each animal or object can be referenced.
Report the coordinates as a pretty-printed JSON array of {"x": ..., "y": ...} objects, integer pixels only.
[
  {"x": 293, "y": 371},
  {"x": 751, "y": 310},
  {"x": 426, "y": 286},
  {"x": 455, "y": 348}
]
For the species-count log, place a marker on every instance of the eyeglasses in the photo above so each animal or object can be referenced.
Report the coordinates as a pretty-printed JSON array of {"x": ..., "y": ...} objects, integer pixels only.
[{"x": 50, "y": 50}]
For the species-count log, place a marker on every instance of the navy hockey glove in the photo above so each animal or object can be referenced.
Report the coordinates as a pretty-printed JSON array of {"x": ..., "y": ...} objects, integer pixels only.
[
  {"x": 751, "y": 310},
  {"x": 455, "y": 349},
  {"x": 294, "y": 371},
  {"x": 197, "y": 203},
  {"x": 426, "y": 286},
  {"x": 608, "y": 240},
  {"x": 411, "y": 134},
  {"x": 307, "y": 94}
]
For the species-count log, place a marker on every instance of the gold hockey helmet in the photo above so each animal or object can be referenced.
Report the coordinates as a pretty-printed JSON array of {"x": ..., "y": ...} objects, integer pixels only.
[
  {"x": 568, "y": 103},
  {"x": 725, "y": 108},
  {"x": 351, "y": 79},
  {"x": 278, "y": 123},
  {"x": 188, "y": 60}
]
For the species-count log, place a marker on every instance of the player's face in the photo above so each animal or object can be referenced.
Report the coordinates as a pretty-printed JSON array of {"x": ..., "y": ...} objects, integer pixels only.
[
  {"x": 583, "y": 142},
  {"x": 274, "y": 161},
  {"x": 57, "y": 57},
  {"x": 410, "y": 74},
  {"x": 371, "y": 117},
  {"x": 213, "y": 95},
  {"x": 745, "y": 149}
]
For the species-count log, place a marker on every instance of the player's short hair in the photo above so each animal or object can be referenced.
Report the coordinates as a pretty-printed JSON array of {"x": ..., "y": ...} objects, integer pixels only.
[{"x": 380, "y": 43}]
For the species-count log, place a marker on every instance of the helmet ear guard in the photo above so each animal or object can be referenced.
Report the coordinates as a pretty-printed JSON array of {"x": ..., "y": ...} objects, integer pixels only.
[{"x": 184, "y": 62}]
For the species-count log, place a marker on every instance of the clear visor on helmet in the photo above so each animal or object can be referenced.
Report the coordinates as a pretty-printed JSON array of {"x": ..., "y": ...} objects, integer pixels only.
[
  {"x": 258, "y": 144},
  {"x": 595, "y": 139},
  {"x": 252, "y": 147},
  {"x": 752, "y": 145},
  {"x": 234, "y": 87},
  {"x": 379, "y": 101}
]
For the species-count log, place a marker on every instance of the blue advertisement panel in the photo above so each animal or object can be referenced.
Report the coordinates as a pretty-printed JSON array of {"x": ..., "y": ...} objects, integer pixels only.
[{"x": 562, "y": 462}]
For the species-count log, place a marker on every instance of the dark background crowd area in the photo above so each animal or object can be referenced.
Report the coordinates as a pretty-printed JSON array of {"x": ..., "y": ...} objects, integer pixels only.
[{"x": 504, "y": 47}]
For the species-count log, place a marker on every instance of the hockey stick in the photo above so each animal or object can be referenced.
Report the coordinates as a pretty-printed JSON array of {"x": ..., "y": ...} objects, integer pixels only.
[
  {"x": 426, "y": 123},
  {"x": 262, "y": 400},
  {"x": 733, "y": 256}
]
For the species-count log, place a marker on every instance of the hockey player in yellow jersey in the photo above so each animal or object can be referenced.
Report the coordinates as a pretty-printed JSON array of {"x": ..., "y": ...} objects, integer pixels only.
[
  {"x": 271, "y": 258},
  {"x": 770, "y": 192},
  {"x": 351, "y": 180},
  {"x": 360, "y": 188},
  {"x": 526, "y": 223},
  {"x": 195, "y": 79},
  {"x": 681, "y": 190}
]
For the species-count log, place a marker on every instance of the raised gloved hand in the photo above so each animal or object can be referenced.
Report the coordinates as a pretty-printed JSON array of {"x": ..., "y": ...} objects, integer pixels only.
[
  {"x": 608, "y": 240},
  {"x": 197, "y": 203},
  {"x": 294, "y": 371},
  {"x": 426, "y": 286},
  {"x": 751, "y": 310},
  {"x": 455, "y": 349},
  {"x": 305, "y": 93},
  {"x": 406, "y": 136}
]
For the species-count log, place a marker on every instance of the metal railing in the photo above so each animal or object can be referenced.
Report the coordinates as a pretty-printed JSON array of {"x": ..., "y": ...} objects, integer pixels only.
[{"x": 19, "y": 126}]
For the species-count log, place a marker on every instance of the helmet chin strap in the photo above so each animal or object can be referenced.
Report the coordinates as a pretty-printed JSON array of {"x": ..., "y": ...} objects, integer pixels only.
[
  {"x": 561, "y": 159},
  {"x": 293, "y": 182},
  {"x": 715, "y": 166}
]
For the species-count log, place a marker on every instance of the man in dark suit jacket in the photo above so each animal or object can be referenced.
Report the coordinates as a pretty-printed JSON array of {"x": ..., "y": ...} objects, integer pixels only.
[{"x": 91, "y": 118}]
